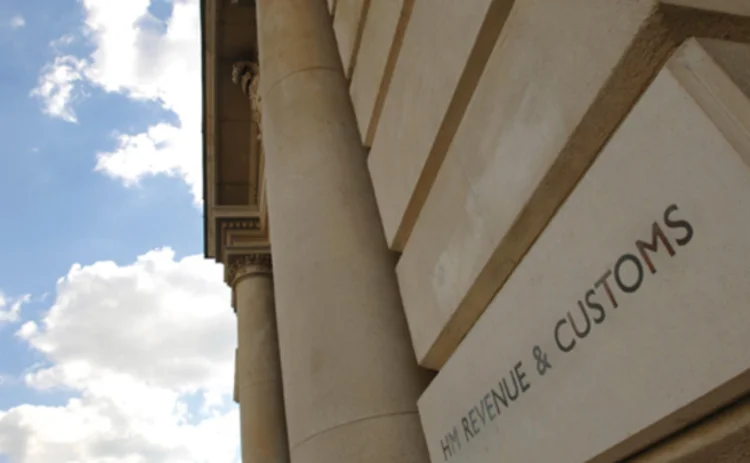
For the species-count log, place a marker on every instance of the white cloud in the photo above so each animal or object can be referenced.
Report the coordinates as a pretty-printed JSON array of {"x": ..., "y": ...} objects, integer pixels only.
[
  {"x": 62, "y": 41},
  {"x": 134, "y": 343},
  {"x": 57, "y": 87},
  {"x": 161, "y": 149},
  {"x": 137, "y": 55},
  {"x": 17, "y": 22},
  {"x": 10, "y": 308}
]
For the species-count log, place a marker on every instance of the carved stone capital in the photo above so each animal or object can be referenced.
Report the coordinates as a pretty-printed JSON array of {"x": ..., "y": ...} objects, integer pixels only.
[
  {"x": 246, "y": 74},
  {"x": 240, "y": 266}
]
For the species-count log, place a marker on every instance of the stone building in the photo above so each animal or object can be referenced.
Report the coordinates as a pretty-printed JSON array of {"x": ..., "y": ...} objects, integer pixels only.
[{"x": 483, "y": 230}]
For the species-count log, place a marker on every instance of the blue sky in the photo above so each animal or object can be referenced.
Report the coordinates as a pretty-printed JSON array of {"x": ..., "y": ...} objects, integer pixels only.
[{"x": 100, "y": 188}]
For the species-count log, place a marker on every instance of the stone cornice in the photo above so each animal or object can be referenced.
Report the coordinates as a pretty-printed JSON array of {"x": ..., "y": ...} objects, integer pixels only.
[
  {"x": 233, "y": 223},
  {"x": 250, "y": 223},
  {"x": 226, "y": 228}
]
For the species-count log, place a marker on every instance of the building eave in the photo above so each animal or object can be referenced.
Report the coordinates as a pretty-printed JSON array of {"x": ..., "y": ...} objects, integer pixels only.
[{"x": 226, "y": 118}]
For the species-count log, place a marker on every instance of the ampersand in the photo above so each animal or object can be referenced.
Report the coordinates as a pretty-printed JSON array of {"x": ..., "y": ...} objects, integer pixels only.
[{"x": 542, "y": 364}]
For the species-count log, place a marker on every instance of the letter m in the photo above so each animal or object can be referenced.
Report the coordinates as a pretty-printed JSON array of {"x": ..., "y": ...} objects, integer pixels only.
[{"x": 653, "y": 246}]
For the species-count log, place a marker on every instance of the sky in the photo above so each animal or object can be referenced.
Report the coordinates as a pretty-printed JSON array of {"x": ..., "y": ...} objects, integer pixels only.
[{"x": 116, "y": 336}]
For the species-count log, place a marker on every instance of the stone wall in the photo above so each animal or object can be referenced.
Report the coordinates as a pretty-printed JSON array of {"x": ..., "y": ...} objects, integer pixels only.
[{"x": 566, "y": 185}]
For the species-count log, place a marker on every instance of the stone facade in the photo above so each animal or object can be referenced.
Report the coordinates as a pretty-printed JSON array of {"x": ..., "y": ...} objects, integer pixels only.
[{"x": 487, "y": 230}]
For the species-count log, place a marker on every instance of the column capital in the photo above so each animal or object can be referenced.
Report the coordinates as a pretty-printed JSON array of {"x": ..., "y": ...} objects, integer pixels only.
[
  {"x": 244, "y": 265},
  {"x": 246, "y": 74}
]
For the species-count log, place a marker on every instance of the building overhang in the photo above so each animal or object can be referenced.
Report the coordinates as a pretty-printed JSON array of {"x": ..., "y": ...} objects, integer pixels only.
[{"x": 235, "y": 214}]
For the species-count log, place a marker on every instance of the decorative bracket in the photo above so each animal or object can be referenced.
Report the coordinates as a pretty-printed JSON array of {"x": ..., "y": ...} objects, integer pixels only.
[{"x": 246, "y": 74}]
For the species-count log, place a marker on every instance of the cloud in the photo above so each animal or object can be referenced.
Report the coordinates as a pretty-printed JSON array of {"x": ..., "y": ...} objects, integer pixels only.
[
  {"x": 17, "y": 22},
  {"x": 159, "y": 150},
  {"x": 138, "y": 55},
  {"x": 147, "y": 350},
  {"x": 62, "y": 41},
  {"x": 10, "y": 308},
  {"x": 57, "y": 87}
]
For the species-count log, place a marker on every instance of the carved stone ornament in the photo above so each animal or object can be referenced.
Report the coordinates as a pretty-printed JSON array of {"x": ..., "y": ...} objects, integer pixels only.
[
  {"x": 246, "y": 74},
  {"x": 252, "y": 223},
  {"x": 247, "y": 264}
]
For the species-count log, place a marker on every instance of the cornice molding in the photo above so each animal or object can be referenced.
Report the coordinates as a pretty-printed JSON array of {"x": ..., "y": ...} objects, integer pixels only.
[
  {"x": 226, "y": 227},
  {"x": 232, "y": 225},
  {"x": 249, "y": 223}
]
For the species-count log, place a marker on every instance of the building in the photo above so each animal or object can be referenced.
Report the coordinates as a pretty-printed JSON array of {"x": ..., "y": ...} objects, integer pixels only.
[{"x": 500, "y": 230}]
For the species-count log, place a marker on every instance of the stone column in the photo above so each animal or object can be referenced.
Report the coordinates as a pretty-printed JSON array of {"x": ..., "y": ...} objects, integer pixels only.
[
  {"x": 262, "y": 420},
  {"x": 351, "y": 381}
]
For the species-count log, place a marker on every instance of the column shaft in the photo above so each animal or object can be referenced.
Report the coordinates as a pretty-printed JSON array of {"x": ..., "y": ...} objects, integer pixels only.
[
  {"x": 262, "y": 418},
  {"x": 350, "y": 376}
]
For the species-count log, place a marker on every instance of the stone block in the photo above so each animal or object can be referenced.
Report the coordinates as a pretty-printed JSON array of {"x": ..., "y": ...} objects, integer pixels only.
[
  {"x": 562, "y": 77},
  {"x": 626, "y": 320},
  {"x": 348, "y": 23},
  {"x": 722, "y": 438},
  {"x": 382, "y": 38},
  {"x": 444, "y": 50}
]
